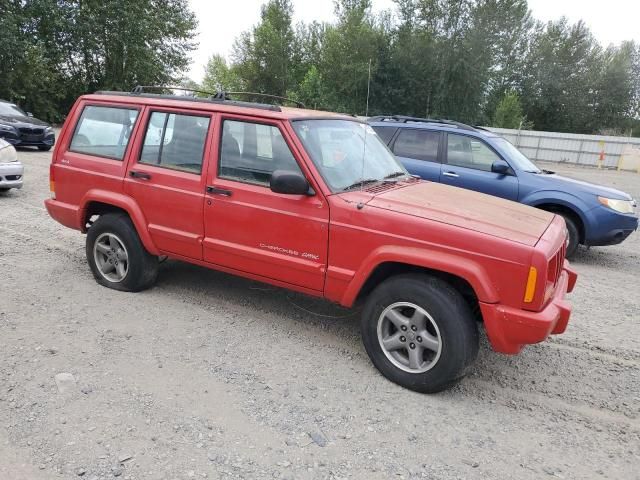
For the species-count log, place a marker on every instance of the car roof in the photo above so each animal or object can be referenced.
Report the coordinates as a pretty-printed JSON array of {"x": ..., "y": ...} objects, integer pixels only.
[
  {"x": 215, "y": 105},
  {"x": 430, "y": 124}
]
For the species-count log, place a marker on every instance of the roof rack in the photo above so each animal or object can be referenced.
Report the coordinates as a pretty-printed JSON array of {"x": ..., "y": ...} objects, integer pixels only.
[
  {"x": 405, "y": 119},
  {"x": 221, "y": 96}
]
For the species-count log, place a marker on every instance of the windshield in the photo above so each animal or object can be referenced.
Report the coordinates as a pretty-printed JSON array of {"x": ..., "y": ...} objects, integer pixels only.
[
  {"x": 348, "y": 154},
  {"x": 8, "y": 109},
  {"x": 515, "y": 156}
]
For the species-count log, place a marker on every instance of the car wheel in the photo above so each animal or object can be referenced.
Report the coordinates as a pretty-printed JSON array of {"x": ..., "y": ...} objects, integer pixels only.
[
  {"x": 574, "y": 235},
  {"x": 116, "y": 255},
  {"x": 419, "y": 332},
  {"x": 44, "y": 148}
]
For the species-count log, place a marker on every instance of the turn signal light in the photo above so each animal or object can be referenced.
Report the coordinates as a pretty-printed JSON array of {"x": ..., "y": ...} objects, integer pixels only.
[{"x": 530, "y": 291}]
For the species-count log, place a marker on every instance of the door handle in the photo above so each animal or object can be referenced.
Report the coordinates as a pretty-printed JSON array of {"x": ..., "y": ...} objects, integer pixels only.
[
  {"x": 450, "y": 174},
  {"x": 218, "y": 191},
  {"x": 140, "y": 175}
]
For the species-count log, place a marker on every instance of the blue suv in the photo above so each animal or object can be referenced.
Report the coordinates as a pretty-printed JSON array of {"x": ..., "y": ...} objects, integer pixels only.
[{"x": 471, "y": 157}]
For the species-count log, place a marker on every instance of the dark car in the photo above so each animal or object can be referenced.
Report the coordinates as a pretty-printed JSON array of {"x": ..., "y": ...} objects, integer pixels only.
[
  {"x": 471, "y": 157},
  {"x": 22, "y": 130}
]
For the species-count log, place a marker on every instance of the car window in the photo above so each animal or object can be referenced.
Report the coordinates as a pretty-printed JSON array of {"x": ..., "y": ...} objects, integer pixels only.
[
  {"x": 418, "y": 144},
  {"x": 385, "y": 133},
  {"x": 175, "y": 141},
  {"x": 103, "y": 131},
  {"x": 251, "y": 152},
  {"x": 469, "y": 152}
]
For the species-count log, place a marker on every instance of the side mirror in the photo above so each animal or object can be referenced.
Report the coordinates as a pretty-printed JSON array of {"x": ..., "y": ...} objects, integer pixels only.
[
  {"x": 29, "y": 114},
  {"x": 501, "y": 167},
  {"x": 290, "y": 183}
]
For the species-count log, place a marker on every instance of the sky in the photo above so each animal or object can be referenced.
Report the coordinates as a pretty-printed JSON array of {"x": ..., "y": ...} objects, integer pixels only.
[{"x": 611, "y": 21}]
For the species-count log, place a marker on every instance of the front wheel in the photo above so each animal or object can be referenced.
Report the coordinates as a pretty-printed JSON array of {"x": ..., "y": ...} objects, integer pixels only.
[
  {"x": 419, "y": 332},
  {"x": 574, "y": 235},
  {"x": 116, "y": 255}
]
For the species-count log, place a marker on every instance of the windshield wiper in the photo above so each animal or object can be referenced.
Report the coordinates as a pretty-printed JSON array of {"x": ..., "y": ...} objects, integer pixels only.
[
  {"x": 361, "y": 183},
  {"x": 395, "y": 174}
]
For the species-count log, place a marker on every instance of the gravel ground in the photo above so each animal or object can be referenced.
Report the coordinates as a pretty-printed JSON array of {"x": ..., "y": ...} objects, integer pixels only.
[{"x": 211, "y": 376}]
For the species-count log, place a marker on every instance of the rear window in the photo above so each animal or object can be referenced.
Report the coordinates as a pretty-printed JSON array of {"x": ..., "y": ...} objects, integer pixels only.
[
  {"x": 104, "y": 131},
  {"x": 175, "y": 141},
  {"x": 385, "y": 133},
  {"x": 418, "y": 144}
]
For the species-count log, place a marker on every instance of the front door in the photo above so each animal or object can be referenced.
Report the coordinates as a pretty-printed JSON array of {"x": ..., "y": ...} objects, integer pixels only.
[
  {"x": 166, "y": 178},
  {"x": 468, "y": 163},
  {"x": 249, "y": 228}
]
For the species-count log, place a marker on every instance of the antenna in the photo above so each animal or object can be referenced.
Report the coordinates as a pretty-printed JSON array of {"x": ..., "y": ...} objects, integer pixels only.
[{"x": 366, "y": 112}]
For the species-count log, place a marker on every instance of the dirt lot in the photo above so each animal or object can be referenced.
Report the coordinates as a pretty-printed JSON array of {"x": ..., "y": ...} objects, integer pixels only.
[{"x": 207, "y": 375}]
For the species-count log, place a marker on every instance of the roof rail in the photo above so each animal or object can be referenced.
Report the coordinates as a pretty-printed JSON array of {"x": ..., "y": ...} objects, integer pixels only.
[
  {"x": 405, "y": 119},
  {"x": 223, "y": 96}
]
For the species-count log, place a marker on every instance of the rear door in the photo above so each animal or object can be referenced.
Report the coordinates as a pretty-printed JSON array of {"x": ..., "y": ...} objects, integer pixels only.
[
  {"x": 248, "y": 227},
  {"x": 468, "y": 163},
  {"x": 418, "y": 150},
  {"x": 166, "y": 178}
]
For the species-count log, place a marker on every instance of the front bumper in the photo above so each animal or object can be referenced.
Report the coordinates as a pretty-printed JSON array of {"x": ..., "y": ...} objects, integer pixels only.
[
  {"x": 608, "y": 227},
  {"x": 19, "y": 139},
  {"x": 11, "y": 175},
  {"x": 510, "y": 329}
]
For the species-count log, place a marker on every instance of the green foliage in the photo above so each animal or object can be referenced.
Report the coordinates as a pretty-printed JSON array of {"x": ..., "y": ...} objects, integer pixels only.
[
  {"x": 509, "y": 114},
  {"x": 220, "y": 77},
  {"x": 60, "y": 50}
]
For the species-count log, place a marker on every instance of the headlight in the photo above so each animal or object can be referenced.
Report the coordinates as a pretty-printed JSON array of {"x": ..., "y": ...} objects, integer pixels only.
[
  {"x": 6, "y": 128},
  {"x": 8, "y": 154},
  {"x": 622, "y": 206},
  {"x": 48, "y": 130}
]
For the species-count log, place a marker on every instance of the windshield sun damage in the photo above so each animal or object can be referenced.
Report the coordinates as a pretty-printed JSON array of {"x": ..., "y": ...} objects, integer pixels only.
[{"x": 348, "y": 154}]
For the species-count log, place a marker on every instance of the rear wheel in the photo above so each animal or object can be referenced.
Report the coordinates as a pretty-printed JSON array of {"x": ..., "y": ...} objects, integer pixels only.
[
  {"x": 574, "y": 235},
  {"x": 116, "y": 255},
  {"x": 419, "y": 332}
]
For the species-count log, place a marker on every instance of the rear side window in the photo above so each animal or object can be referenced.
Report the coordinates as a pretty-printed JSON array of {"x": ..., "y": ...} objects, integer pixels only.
[
  {"x": 104, "y": 131},
  {"x": 385, "y": 133},
  {"x": 468, "y": 152},
  {"x": 418, "y": 144},
  {"x": 175, "y": 141},
  {"x": 251, "y": 152}
]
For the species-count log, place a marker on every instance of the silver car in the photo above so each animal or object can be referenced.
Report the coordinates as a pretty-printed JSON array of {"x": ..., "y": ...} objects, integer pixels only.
[{"x": 11, "y": 170}]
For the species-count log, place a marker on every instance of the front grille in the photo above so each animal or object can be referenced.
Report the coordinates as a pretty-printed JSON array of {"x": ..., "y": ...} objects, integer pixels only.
[
  {"x": 31, "y": 131},
  {"x": 556, "y": 264}
]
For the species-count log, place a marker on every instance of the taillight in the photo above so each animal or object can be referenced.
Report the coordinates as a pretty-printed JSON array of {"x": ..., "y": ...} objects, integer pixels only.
[{"x": 52, "y": 182}]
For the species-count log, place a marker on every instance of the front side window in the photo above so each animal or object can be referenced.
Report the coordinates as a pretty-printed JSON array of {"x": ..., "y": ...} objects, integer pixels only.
[
  {"x": 347, "y": 153},
  {"x": 104, "y": 131},
  {"x": 175, "y": 141},
  {"x": 463, "y": 151},
  {"x": 251, "y": 152},
  {"x": 385, "y": 133},
  {"x": 418, "y": 144}
]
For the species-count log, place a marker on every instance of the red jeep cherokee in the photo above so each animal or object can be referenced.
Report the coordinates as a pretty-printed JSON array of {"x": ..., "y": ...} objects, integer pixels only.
[{"x": 316, "y": 203}]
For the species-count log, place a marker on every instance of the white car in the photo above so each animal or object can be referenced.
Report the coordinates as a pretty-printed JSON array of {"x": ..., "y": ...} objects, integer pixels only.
[{"x": 11, "y": 170}]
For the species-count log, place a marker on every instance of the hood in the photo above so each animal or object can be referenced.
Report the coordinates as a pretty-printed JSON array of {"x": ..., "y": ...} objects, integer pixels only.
[
  {"x": 21, "y": 120},
  {"x": 467, "y": 209},
  {"x": 565, "y": 184}
]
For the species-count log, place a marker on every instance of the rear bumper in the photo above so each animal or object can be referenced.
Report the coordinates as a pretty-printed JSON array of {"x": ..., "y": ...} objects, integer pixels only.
[
  {"x": 11, "y": 175},
  {"x": 510, "y": 329},
  {"x": 63, "y": 213}
]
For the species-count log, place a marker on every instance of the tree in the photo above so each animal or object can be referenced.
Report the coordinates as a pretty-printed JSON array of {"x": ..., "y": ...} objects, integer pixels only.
[
  {"x": 263, "y": 56},
  {"x": 219, "y": 76},
  {"x": 508, "y": 113}
]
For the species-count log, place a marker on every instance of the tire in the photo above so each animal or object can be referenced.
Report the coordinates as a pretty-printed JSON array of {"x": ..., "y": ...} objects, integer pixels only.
[
  {"x": 117, "y": 257},
  {"x": 448, "y": 320},
  {"x": 574, "y": 235},
  {"x": 44, "y": 148}
]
